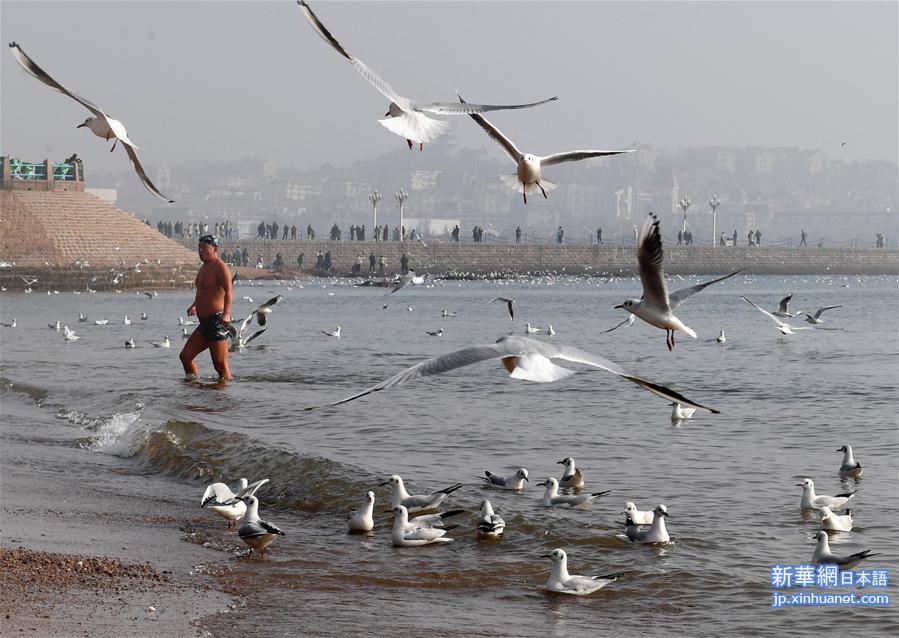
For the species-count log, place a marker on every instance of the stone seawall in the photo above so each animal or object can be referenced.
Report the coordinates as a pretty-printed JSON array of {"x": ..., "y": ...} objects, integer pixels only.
[{"x": 485, "y": 259}]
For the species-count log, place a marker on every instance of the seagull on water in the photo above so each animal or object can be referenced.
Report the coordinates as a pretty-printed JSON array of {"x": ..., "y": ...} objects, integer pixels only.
[
  {"x": 81, "y": 318},
  {"x": 54, "y": 326},
  {"x": 550, "y": 331},
  {"x": 165, "y": 343},
  {"x": 11, "y": 324},
  {"x": 656, "y": 306},
  {"x": 185, "y": 334},
  {"x": 130, "y": 343},
  {"x": 816, "y": 318},
  {"x": 560, "y": 581},
  {"x": 636, "y": 516},
  {"x": 99, "y": 123},
  {"x": 657, "y": 532},
  {"x": 421, "y": 530},
  {"x": 331, "y": 333},
  {"x": 514, "y": 482},
  {"x": 528, "y": 173},
  {"x": 835, "y": 522},
  {"x": 849, "y": 467},
  {"x": 127, "y": 320},
  {"x": 529, "y": 329},
  {"x": 260, "y": 314},
  {"x": 362, "y": 519},
  {"x": 68, "y": 334},
  {"x": 219, "y": 498},
  {"x": 446, "y": 314},
  {"x": 188, "y": 322},
  {"x": 406, "y": 117},
  {"x": 784, "y": 327},
  {"x": 551, "y": 496},
  {"x": 811, "y": 501},
  {"x": 508, "y": 301},
  {"x": 101, "y": 322},
  {"x": 417, "y": 502},
  {"x": 254, "y": 531},
  {"x": 435, "y": 333},
  {"x": 721, "y": 338},
  {"x": 572, "y": 476},
  {"x": 823, "y": 555},
  {"x": 144, "y": 316},
  {"x": 680, "y": 413},
  {"x": 490, "y": 524},
  {"x": 523, "y": 358}
]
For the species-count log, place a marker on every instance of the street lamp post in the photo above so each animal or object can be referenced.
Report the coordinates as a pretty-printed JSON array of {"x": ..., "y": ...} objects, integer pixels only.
[
  {"x": 374, "y": 197},
  {"x": 401, "y": 197},
  {"x": 714, "y": 203},
  {"x": 685, "y": 203}
]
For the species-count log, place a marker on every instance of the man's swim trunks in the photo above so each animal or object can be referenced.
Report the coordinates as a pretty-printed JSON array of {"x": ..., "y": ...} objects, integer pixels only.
[{"x": 213, "y": 328}]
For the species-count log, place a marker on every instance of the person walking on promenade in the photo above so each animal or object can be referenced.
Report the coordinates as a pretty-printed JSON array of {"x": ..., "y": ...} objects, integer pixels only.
[
  {"x": 382, "y": 263},
  {"x": 404, "y": 264},
  {"x": 518, "y": 235},
  {"x": 802, "y": 237},
  {"x": 599, "y": 235},
  {"x": 559, "y": 234},
  {"x": 735, "y": 236},
  {"x": 758, "y": 237},
  {"x": 212, "y": 307},
  {"x": 371, "y": 262}
]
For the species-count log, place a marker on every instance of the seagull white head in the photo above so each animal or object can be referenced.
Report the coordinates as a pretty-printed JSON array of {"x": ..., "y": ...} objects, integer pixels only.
[{"x": 660, "y": 510}]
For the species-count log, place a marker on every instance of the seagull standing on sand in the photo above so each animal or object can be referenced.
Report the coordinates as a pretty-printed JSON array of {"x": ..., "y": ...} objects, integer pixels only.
[
  {"x": 417, "y": 502},
  {"x": 528, "y": 174},
  {"x": 523, "y": 358},
  {"x": 823, "y": 555},
  {"x": 572, "y": 476},
  {"x": 508, "y": 302},
  {"x": 552, "y": 498},
  {"x": 560, "y": 581},
  {"x": 811, "y": 501},
  {"x": 254, "y": 531},
  {"x": 514, "y": 482},
  {"x": 362, "y": 519},
  {"x": 406, "y": 117},
  {"x": 849, "y": 467},
  {"x": 99, "y": 123},
  {"x": 657, "y": 532},
  {"x": 656, "y": 307}
]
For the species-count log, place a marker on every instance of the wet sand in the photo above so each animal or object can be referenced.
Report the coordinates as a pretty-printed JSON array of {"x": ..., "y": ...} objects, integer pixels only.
[{"x": 85, "y": 553}]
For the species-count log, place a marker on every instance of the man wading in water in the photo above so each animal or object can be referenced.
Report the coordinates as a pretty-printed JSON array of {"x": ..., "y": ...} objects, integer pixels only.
[{"x": 212, "y": 306}]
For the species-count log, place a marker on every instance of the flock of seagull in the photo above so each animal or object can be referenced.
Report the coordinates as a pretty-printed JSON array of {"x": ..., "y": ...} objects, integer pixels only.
[
  {"x": 415, "y": 523},
  {"x": 405, "y": 117}
]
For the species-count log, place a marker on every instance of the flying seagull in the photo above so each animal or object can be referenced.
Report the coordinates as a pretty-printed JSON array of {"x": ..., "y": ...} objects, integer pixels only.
[
  {"x": 783, "y": 326},
  {"x": 99, "y": 123},
  {"x": 508, "y": 303},
  {"x": 816, "y": 318},
  {"x": 527, "y": 177},
  {"x": 656, "y": 307},
  {"x": 405, "y": 116},
  {"x": 524, "y": 358},
  {"x": 783, "y": 308}
]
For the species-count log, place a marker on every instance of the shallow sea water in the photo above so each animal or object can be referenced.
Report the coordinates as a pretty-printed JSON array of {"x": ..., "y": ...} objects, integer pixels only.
[{"x": 728, "y": 480}]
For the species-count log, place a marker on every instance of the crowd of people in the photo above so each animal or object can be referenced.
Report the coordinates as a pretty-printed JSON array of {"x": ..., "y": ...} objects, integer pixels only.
[{"x": 180, "y": 230}]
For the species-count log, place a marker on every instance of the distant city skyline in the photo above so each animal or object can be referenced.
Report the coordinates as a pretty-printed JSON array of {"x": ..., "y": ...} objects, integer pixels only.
[{"x": 254, "y": 80}]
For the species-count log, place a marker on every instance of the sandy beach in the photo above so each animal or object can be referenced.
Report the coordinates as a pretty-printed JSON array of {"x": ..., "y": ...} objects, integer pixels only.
[{"x": 84, "y": 553}]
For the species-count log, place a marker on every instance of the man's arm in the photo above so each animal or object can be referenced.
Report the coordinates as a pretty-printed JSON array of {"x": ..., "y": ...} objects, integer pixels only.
[{"x": 224, "y": 277}]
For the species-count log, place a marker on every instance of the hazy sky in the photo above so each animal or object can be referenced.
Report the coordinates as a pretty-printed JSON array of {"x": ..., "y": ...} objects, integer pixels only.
[{"x": 228, "y": 80}]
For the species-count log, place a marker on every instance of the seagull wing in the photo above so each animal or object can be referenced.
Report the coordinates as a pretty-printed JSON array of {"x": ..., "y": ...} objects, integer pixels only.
[
  {"x": 254, "y": 335},
  {"x": 569, "y": 353},
  {"x": 649, "y": 258},
  {"x": 129, "y": 148},
  {"x": 631, "y": 319},
  {"x": 263, "y": 310},
  {"x": 678, "y": 297},
  {"x": 217, "y": 492},
  {"x": 820, "y": 310},
  {"x": 765, "y": 312},
  {"x": 465, "y": 108},
  {"x": 494, "y": 134},
  {"x": 33, "y": 69},
  {"x": 373, "y": 78},
  {"x": 404, "y": 280},
  {"x": 430, "y": 367},
  {"x": 250, "y": 489},
  {"x": 575, "y": 156}
]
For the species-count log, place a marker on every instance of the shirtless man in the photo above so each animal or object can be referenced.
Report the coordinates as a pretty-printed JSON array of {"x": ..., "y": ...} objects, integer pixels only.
[{"x": 212, "y": 306}]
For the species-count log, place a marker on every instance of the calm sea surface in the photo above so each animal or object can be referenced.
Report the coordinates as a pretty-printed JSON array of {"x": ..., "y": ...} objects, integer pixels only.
[{"x": 728, "y": 480}]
